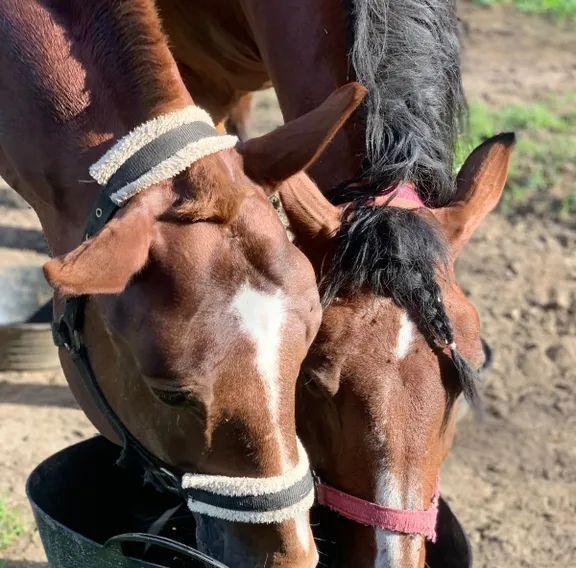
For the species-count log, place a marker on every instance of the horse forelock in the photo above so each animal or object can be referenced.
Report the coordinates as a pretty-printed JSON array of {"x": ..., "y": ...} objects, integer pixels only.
[
  {"x": 208, "y": 192},
  {"x": 387, "y": 250},
  {"x": 397, "y": 253},
  {"x": 407, "y": 55}
]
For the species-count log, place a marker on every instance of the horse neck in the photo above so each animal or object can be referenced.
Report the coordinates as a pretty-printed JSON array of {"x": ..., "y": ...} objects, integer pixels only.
[
  {"x": 81, "y": 82},
  {"x": 306, "y": 65}
]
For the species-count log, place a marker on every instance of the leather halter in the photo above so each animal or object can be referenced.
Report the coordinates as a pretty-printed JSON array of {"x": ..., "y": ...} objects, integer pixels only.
[{"x": 273, "y": 499}]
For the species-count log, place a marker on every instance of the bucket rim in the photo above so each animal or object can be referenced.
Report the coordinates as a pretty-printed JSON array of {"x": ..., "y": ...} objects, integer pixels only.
[{"x": 67, "y": 530}]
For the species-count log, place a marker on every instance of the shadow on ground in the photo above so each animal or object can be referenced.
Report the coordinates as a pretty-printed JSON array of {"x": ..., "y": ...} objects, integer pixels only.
[
  {"x": 17, "y": 238},
  {"x": 30, "y": 394},
  {"x": 10, "y": 199}
]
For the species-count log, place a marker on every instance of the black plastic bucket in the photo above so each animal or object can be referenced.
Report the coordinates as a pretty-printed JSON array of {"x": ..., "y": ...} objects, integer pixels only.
[{"x": 87, "y": 510}]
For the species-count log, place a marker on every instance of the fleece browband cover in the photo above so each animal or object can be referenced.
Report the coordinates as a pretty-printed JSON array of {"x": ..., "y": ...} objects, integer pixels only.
[
  {"x": 158, "y": 150},
  {"x": 252, "y": 499}
]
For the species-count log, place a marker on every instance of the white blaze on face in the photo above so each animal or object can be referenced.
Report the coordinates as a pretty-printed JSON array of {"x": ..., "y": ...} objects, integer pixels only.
[
  {"x": 262, "y": 318},
  {"x": 405, "y": 335},
  {"x": 391, "y": 548},
  {"x": 388, "y": 543},
  {"x": 303, "y": 531}
]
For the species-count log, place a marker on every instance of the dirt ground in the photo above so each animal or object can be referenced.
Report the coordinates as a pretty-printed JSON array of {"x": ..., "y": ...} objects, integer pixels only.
[{"x": 512, "y": 477}]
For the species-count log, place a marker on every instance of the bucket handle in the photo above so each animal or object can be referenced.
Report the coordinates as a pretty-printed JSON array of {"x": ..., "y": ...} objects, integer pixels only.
[{"x": 166, "y": 543}]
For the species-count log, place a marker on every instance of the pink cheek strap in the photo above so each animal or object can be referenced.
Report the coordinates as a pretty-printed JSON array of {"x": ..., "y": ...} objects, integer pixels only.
[{"x": 374, "y": 515}]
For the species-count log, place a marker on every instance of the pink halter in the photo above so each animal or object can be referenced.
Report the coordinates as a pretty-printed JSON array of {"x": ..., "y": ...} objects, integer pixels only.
[
  {"x": 399, "y": 190},
  {"x": 374, "y": 515},
  {"x": 396, "y": 190},
  {"x": 408, "y": 192}
]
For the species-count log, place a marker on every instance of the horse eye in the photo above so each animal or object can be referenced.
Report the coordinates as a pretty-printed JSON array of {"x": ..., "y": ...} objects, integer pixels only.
[
  {"x": 172, "y": 398},
  {"x": 183, "y": 400}
]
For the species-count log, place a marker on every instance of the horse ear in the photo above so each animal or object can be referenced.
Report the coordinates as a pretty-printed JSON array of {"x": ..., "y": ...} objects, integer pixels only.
[
  {"x": 105, "y": 263},
  {"x": 313, "y": 219},
  {"x": 479, "y": 186},
  {"x": 274, "y": 157}
]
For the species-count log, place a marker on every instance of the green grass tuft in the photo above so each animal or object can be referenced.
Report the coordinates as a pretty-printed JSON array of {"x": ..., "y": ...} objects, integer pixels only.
[
  {"x": 543, "y": 173},
  {"x": 559, "y": 9},
  {"x": 11, "y": 525}
]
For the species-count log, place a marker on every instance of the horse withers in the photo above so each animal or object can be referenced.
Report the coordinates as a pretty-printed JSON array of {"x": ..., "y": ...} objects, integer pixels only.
[{"x": 197, "y": 311}]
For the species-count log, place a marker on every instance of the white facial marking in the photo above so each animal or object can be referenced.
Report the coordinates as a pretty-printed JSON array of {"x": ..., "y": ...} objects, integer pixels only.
[
  {"x": 415, "y": 544},
  {"x": 303, "y": 531},
  {"x": 405, "y": 335},
  {"x": 389, "y": 545},
  {"x": 262, "y": 318}
]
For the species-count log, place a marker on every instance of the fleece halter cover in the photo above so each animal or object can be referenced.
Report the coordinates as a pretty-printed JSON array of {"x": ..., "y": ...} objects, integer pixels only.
[
  {"x": 158, "y": 150},
  {"x": 154, "y": 152}
]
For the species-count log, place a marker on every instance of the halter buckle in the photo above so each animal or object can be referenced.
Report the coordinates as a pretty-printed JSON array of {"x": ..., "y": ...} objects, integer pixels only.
[{"x": 65, "y": 333}]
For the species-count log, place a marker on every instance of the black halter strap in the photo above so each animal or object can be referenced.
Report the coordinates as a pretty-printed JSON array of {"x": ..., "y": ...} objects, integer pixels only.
[{"x": 68, "y": 333}]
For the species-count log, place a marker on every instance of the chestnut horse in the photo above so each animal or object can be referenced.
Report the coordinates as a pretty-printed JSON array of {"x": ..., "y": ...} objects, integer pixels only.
[
  {"x": 399, "y": 342},
  {"x": 198, "y": 309}
]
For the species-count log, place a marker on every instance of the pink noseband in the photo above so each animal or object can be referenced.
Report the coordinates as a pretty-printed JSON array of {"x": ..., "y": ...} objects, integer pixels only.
[
  {"x": 374, "y": 515},
  {"x": 400, "y": 190}
]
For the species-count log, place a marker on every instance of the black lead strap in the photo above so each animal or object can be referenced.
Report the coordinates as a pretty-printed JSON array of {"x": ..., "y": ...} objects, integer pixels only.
[{"x": 67, "y": 333}]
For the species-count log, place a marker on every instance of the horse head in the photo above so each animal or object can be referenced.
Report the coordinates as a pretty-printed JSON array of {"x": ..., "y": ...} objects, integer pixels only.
[
  {"x": 203, "y": 311},
  {"x": 398, "y": 344}
]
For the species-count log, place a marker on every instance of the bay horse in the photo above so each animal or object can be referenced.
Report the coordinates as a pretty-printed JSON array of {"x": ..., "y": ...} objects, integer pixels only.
[
  {"x": 192, "y": 310},
  {"x": 399, "y": 342}
]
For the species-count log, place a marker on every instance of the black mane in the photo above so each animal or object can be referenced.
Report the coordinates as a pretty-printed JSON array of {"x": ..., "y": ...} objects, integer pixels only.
[
  {"x": 406, "y": 53},
  {"x": 395, "y": 253}
]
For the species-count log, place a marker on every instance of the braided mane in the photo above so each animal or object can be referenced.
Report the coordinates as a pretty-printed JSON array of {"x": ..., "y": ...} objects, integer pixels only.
[
  {"x": 407, "y": 54},
  {"x": 395, "y": 253}
]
